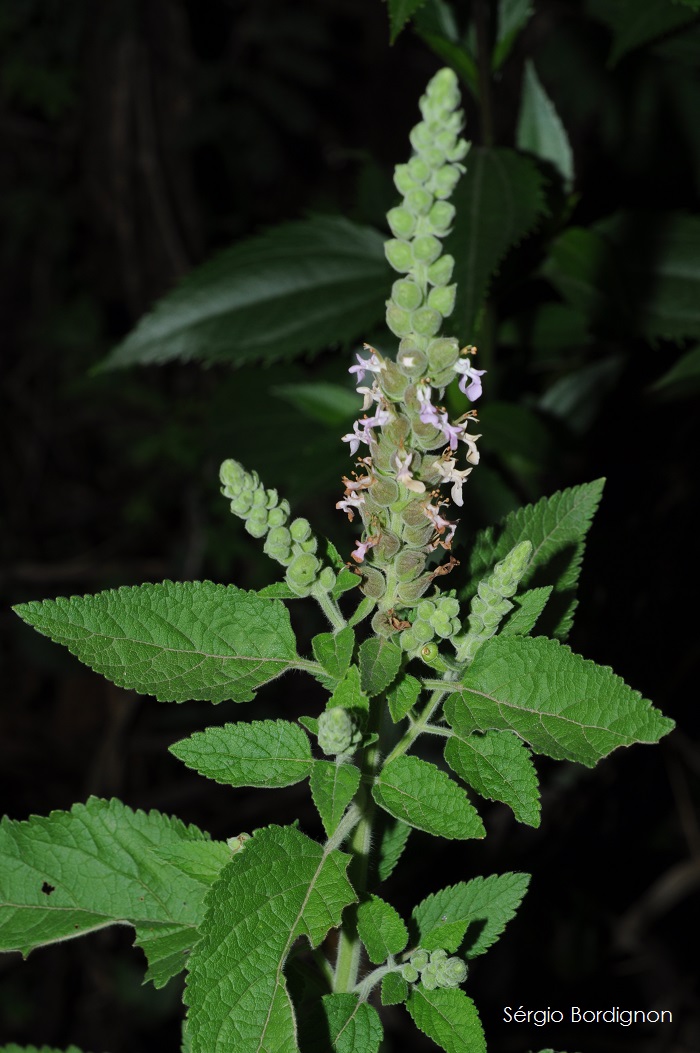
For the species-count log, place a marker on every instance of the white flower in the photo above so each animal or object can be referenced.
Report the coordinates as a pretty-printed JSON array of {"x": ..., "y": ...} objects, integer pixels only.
[
  {"x": 402, "y": 460},
  {"x": 451, "y": 474}
]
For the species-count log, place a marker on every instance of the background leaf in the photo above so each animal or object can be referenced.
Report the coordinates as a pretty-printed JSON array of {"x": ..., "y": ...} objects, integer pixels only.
[
  {"x": 282, "y": 886},
  {"x": 560, "y": 704},
  {"x": 268, "y": 753},
  {"x": 176, "y": 640},
  {"x": 540, "y": 130},
  {"x": 295, "y": 289},
  {"x": 399, "y": 13},
  {"x": 512, "y": 17},
  {"x": 636, "y": 22}
]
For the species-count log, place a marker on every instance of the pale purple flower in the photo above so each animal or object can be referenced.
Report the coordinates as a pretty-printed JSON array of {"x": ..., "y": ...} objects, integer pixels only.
[
  {"x": 362, "y": 546},
  {"x": 470, "y": 440},
  {"x": 402, "y": 460},
  {"x": 373, "y": 364},
  {"x": 451, "y": 474},
  {"x": 354, "y": 437},
  {"x": 370, "y": 395},
  {"x": 473, "y": 391},
  {"x": 350, "y": 503},
  {"x": 428, "y": 412},
  {"x": 441, "y": 525},
  {"x": 452, "y": 432}
]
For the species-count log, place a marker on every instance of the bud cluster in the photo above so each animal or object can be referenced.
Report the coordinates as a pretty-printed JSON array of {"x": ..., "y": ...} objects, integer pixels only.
[
  {"x": 491, "y": 602},
  {"x": 434, "y": 969},
  {"x": 338, "y": 734},
  {"x": 412, "y": 446},
  {"x": 266, "y": 516},
  {"x": 436, "y": 617}
]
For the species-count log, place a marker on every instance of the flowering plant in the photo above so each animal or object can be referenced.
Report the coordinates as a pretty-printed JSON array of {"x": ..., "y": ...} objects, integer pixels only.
[{"x": 285, "y": 942}]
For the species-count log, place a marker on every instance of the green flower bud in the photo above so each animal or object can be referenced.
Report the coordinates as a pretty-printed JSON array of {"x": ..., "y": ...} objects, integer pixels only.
[
  {"x": 409, "y": 972},
  {"x": 409, "y": 564},
  {"x": 442, "y": 216},
  {"x": 337, "y": 733},
  {"x": 419, "y": 959},
  {"x": 412, "y": 363},
  {"x": 408, "y": 641},
  {"x": 242, "y": 504},
  {"x": 428, "y": 977},
  {"x": 272, "y": 499},
  {"x": 403, "y": 180},
  {"x": 425, "y": 610},
  {"x": 413, "y": 343},
  {"x": 401, "y": 222},
  {"x": 429, "y": 652},
  {"x": 419, "y": 201},
  {"x": 439, "y": 955},
  {"x": 422, "y": 631},
  {"x": 451, "y": 972},
  {"x": 232, "y": 475},
  {"x": 256, "y": 523},
  {"x": 260, "y": 498},
  {"x": 442, "y": 90},
  {"x": 427, "y": 320},
  {"x": 446, "y": 140},
  {"x": 406, "y": 294},
  {"x": 399, "y": 254},
  {"x": 440, "y": 272},
  {"x": 442, "y": 354},
  {"x": 442, "y": 299},
  {"x": 300, "y": 529},
  {"x": 373, "y": 583},
  {"x": 445, "y": 180},
  {"x": 278, "y": 543},
  {"x": 420, "y": 137},
  {"x": 301, "y": 573},
  {"x": 278, "y": 516},
  {"x": 327, "y": 579},
  {"x": 385, "y": 491},
  {"x": 237, "y": 844},
  {"x": 307, "y": 546},
  {"x": 419, "y": 170},
  {"x": 426, "y": 249},
  {"x": 459, "y": 151},
  {"x": 398, "y": 320},
  {"x": 450, "y": 605}
]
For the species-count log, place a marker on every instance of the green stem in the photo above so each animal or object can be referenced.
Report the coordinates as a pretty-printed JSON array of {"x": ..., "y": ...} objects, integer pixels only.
[
  {"x": 329, "y": 607},
  {"x": 483, "y": 61},
  {"x": 440, "y": 688},
  {"x": 364, "y": 988}
]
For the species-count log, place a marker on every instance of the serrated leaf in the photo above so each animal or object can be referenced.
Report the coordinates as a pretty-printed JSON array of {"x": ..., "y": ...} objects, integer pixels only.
[
  {"x": 634, "y": 23},
  {"x": 402, "y": 696},
  {"x": 293, "y": 290},
  {"x": 102, "y": 863},
  {"x": 557, "y": 527},
  {"x": 349, "y": 694},
  {"x": 512, "y": 18},
  {"x": 334, "y": 651},
  {"x": 499, "y": 201},
  {"x": 528, "y": 608},
  {"x": 473, "y": 912},
  {"x": 175, "y": 640},
  {"x": 333, "y": 786},
  {"x": 281, "y": 887},
  {"x": 562, "y": 705},
  {"x": 449, "y": 1017},
  {"x": 682, "y": 379},
  {"x": 381, "y": 929},
  {"x": 394, "y": 989},
  {"x": 380, "y": 662},
  {"x": 392, "y": 841},
  {"x": 14, "y": 1048},
  {"x": 498, "y": 766},
  {"x": 421, "y": 795},
  {"x": 540, "y": 130},
  {"x": 399, "y": 13},
  {"x": 340, "y": 1023},
  {"x": 270, "y": 753}
]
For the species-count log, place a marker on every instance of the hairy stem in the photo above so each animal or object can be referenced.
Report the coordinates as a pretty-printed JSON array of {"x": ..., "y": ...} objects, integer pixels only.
[{"x": 329, "y": 607}]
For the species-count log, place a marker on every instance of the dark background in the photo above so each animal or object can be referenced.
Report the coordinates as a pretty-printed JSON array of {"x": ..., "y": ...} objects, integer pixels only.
[{"x": 140, "y": 137}]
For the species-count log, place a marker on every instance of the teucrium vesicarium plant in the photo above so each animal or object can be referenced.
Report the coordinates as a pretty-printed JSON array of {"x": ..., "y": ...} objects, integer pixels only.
[{"x": 248, "y": 918}]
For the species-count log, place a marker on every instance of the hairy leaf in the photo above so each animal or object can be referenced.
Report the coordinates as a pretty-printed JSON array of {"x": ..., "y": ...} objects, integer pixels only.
[
  {"x": 402, "y": 696},
  {"x": 176, "y": 640},
  {"x": 392, "y": 841},
  {"x": 381, "y": 929},
  {"x": 449, "y": 1017},
  {"x": 349, "y": 694},
  {"x": 380, "y": 662},
  {"x": 559, "y": 703},
  {"x": 394, "y": 989},
  {"x": 421, "y": 795},
  {"x": 102, "y": 863},
  {"x": 499, "y": 766},
  {"x": 333, "y": 786},
  {"x": 473, "y": 913},
  {"x": 528, "y": 608},
  {"x": 340, "y": 1023},
  {"x": 282, "y": 886},
  {"x": 334, "y": 651},
  {"x": 293, "y": 290},
  {"x": 557, "y": 527},
  {"x": 540, "y": 130},
  {"x": 498, "y": 200},
  {"x": 399, "y": 13},
  {"x": 263, "y": 753}
]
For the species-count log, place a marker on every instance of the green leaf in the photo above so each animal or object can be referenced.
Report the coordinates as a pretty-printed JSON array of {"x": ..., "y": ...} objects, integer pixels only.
[
  {"x": 512, "y": 17},
  {"x": 402, "y": 696},
  {"x": 281, "y": 887},
  {"x": 349, "y": 694},
  {"x": 636, "y": 22},
  {"x": 399, "y": 13},
  {"x": 559, "y": 703},
  {"x": 682, "y": 379},
  {"x": 449, "y": 1017},
  {"x": 340, "y": 1023},
  {"x": 473, "y": 913},
  {"x": 557, "y": 527},
  {"x": 583, "y": 268},
  {"x": 528, "y": 608},
  {"x": 421, "y": 795},
  {"x": 333, "y": 786},
  {"x": 102, "y": 863},
  {"x": 320, "y": 401},
  {"x": 268, "y": 753},
  {"x": 334, "y": 652},
  {"x": 694, "y": 5},
  {"x": 498, "y": 766},
  {"x": 540, "y": 130},
  {"x": 381, "y": 929},
  {"x": 176, "y": 640},
  {"x": 499, "y": 201},
  {"x": 293, "y": 290},
  {"x": 394, "y": 989},
  {"x": 14, "y": 1048},
  {"x": 393, "y": 838},
  {"x": 380, "y": 662}
]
